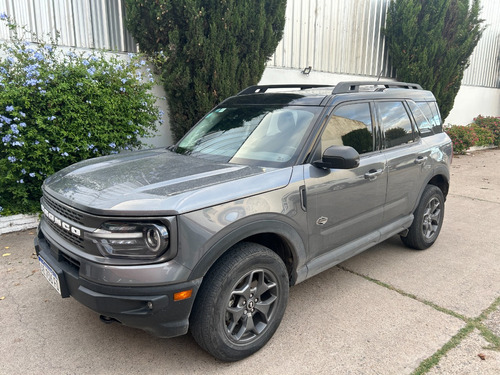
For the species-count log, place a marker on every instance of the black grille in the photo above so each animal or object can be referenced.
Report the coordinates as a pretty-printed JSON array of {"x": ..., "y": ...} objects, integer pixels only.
[
  {"x": 68, "y": 236},
  {"x": 67, "y": 212}
]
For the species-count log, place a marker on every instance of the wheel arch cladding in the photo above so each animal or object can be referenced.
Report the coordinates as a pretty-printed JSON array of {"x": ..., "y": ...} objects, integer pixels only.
[{"x": 278, "y": 236}]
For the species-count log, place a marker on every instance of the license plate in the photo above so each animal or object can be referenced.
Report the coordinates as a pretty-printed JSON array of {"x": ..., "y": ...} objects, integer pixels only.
[{"x": 49, "y": 274}]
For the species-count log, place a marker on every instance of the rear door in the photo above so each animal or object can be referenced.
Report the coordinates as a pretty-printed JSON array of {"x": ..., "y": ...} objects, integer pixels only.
[
  {"x": 407, "y": 158},
  {"x": 345, "y": 204}
]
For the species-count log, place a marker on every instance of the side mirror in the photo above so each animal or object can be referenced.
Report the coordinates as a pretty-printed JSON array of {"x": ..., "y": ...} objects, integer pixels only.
[{"x": 338, "y": 157}]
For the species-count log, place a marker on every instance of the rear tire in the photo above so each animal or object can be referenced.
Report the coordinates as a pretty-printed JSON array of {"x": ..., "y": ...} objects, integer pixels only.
[
  {"x": 428, "y": 220},
  {"x": 240, "y": 303}
]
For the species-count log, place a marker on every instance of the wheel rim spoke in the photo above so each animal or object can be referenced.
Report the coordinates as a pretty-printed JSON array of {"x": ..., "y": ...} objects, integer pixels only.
[
  {"x": 251, "y": 305},
  {"x": 431, "y": 218}
]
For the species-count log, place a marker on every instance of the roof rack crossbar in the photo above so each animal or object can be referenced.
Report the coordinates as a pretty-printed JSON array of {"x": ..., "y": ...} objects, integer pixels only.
[
  {"x": 263, "y": 88},
  {"x": 347, "y": 87}
]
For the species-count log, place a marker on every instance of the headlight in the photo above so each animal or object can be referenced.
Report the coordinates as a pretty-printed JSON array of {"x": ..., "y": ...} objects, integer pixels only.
[{"x": 131, "y": 240}]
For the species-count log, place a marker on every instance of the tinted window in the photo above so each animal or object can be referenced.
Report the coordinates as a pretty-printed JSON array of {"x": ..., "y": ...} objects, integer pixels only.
[
  {"x": 264, "y": 136},
  {"x": 396, "y": 124},
  {"x": 423, "y": 124},
  {"x": 350, "y": 125},
  {"x": 431, "y": 111}
]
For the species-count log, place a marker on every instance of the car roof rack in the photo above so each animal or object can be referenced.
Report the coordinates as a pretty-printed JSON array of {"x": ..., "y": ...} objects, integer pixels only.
[
  {"x": 347, "y": 87},
  {"x": 339, "y": 88},
  {"x": 263, "y": 88}
]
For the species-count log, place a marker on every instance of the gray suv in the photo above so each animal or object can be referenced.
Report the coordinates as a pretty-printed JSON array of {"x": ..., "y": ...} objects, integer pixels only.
[{"x": 272, "y": 187}]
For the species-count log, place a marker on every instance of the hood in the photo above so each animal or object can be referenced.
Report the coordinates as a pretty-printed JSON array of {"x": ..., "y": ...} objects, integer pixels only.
[{"x": 158, "y": 182}]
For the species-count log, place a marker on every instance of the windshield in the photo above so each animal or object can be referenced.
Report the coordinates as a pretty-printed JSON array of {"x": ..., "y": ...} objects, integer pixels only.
[{"x": 264, "y": 136}]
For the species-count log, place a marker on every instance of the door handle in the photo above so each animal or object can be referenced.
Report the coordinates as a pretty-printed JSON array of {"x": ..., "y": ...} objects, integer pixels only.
[
  {"x": 372, "y": 174},
  {"x": 420, "y": 159}
]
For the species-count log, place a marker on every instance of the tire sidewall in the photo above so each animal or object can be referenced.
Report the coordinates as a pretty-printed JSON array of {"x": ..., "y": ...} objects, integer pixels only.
[
  {"x": 429, "y": 194},
  {"x": 259, "y": 258}
]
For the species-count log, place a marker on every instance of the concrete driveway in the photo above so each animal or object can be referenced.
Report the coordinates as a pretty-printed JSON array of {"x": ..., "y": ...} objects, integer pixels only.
[{"x": 389, "y": 310}]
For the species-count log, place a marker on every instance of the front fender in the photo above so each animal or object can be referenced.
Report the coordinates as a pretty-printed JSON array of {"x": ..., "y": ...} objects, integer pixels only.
[{"x": 250, "y": 226}]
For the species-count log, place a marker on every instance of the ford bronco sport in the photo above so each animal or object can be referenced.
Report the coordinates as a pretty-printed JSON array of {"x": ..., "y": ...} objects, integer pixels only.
[{"x": 272, "y": 187}]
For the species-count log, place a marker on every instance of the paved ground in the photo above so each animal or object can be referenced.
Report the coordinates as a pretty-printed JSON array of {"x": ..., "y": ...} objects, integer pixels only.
[{"x": 386, "y": 311}]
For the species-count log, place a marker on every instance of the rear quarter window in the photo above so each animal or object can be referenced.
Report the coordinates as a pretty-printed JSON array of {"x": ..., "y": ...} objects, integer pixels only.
[{"x": 431, "y": 112}]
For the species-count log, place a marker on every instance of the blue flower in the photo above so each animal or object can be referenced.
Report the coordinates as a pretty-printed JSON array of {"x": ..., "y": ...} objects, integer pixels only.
[
  {"x": 6, "y": 138},
  {"x": 51, "y": 118},
  {"x": 22, "y": 124},
  {"x": 22, "y": 114},
  {"x": 36, "y": 142},
  {"x": 21, "y": 181},
  {"x": 32, "y": 174},
  {"x": 64, "y": 154},
  {"x": 78, "y": 84},
  {"x": 91, "y": 70},
  {"x": 5, "y": 119},
  {"x": 23, "y": 171},
  {"x": 39, "y": 56},
  {"x": 14, "y": 129},
  {"x": 17, "y": 143},
  {"x": 85, "y": 62},
  {"x": 124, "y": 80},
  {"x": 12, "y": 159},
  {"x": 3, "y": 16},
  {"x": 9, "y": 108},
  {"x": 30, "y": 82},
  {"x": 90, "y": 147},
  {"x": 122, "y": 89},
  {"x": 112, "y": 145}
]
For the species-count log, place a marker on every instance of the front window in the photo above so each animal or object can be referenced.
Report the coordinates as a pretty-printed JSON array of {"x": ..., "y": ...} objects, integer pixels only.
[{"x": 264, "y": 136}]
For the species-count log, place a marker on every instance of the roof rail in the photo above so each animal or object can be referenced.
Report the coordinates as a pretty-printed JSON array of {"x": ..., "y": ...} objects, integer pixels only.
[
  {"x": 263, "y": 88},
  {"x": 346, "y": 87}
]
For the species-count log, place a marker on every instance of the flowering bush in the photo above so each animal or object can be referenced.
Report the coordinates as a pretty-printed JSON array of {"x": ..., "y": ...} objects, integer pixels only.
[
  {"x": 57, "y": 108},
  {"x": 492, "y": 124},
  {"x": 462, "y": 138},
  {"x": 484, "y": 136}
]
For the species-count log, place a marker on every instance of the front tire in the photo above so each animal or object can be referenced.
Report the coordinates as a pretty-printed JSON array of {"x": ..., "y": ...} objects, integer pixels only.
[
  {"x": 240, "y": 303},
  {"x": 428, "y": 220}
]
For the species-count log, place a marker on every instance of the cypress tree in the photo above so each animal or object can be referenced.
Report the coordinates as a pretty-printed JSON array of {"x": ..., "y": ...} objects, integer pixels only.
[
  {"x": 207, "y": 49},
  {"x": 430, "y": 42}
]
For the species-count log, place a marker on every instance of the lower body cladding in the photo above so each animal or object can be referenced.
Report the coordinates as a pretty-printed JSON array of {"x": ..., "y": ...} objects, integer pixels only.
[{"x": 151, "y": 308}]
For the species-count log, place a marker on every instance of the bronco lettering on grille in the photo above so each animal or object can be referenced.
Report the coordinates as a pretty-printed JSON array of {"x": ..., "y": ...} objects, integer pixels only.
[{"x": 57, "y": 221}]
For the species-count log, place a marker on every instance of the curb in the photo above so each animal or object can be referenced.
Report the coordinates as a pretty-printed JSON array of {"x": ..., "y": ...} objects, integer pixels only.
[{"x": 16, "y": 223}]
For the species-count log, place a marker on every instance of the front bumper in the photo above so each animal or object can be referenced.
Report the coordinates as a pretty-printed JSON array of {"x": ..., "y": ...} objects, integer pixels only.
[{"x": 151, "y": 308}]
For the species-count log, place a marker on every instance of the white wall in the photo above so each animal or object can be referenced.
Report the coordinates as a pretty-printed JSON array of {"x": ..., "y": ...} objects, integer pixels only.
[{"x": 472, "y": 101}]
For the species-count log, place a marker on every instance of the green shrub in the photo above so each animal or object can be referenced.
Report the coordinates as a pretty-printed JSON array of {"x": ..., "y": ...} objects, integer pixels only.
[
  {"x": 492, "y": 124},
  {"x": 59, "y": 107},
  {"x": 211, "y": 49},
  {"x": 462, "y": 137},
  {"x": 484, "y": 136}
]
